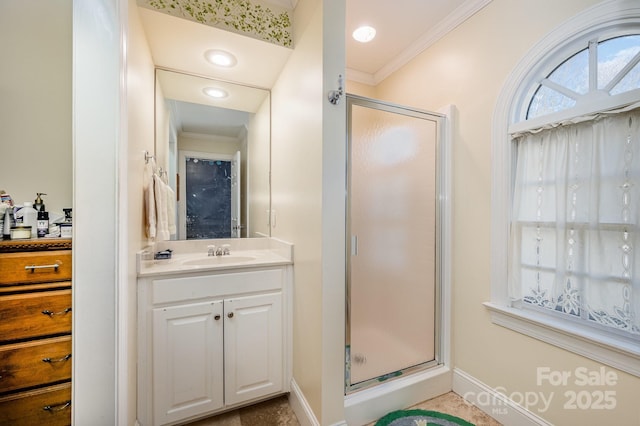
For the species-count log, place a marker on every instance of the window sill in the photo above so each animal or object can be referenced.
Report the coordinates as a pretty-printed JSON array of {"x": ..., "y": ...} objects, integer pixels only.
[{"x": 612, "y": 351}]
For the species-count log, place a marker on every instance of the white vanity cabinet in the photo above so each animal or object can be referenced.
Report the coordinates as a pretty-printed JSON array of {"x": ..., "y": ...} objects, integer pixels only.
[
  {"x": 187, "y": 361},
  {"x": 253, "y": 349},
  {"x": 212, "y": 341}
]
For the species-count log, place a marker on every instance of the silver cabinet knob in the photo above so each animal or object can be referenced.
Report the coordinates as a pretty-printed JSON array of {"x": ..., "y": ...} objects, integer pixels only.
[{"x": 230, "y": 315}]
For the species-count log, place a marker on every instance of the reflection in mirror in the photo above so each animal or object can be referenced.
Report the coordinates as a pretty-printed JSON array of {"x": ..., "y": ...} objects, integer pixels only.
[{"x": 213, "y": 141}]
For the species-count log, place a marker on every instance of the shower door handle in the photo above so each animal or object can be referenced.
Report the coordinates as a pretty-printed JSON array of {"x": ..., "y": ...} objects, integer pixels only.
[{"x": 354, "y": 245}]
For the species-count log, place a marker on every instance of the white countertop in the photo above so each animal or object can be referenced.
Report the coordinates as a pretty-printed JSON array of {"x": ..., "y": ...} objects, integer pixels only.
[{"x": 191, "y": 256}]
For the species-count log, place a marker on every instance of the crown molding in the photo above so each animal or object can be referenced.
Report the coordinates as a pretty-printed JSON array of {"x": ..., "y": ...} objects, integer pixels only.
[
  {"x": 457, "y": 17},
  {"x": 211, "y": 137}
]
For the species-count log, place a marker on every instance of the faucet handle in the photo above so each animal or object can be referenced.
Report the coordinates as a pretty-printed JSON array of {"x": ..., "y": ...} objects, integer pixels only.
[
  {"x": 226, "y": 249},
  {"x": 211, "y": 250}
]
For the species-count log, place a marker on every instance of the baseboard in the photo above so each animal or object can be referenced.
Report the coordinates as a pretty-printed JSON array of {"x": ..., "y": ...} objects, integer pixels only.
[
  {"x": 492, "y": 402},
  {"x": 301, "y": 407}
]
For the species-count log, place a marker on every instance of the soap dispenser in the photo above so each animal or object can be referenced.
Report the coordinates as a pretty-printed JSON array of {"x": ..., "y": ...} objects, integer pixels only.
[{"x": 38, "y": 204}]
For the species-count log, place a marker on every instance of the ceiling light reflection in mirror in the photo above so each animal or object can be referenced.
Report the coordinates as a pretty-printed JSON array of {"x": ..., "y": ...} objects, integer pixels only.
[
  {"x": 215, "y": 92},
  {"x": 220, "y": 58}
]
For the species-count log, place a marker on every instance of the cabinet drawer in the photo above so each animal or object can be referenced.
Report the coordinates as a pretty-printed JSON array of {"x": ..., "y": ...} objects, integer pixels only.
[
  {"x": 49, "y": 406},
  {"x": 215, "y": 285},
  {"x": 33, "y": 363},
  {"x": 16, "y": 267},
  {"x": 38, "y": 314}
]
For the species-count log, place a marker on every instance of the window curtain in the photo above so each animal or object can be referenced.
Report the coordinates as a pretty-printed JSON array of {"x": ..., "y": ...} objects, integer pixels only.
[{"x": 574, "y": 230}]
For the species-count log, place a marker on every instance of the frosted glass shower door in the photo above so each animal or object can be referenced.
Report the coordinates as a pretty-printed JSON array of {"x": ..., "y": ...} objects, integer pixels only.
[{"x": 392, "y": 221}]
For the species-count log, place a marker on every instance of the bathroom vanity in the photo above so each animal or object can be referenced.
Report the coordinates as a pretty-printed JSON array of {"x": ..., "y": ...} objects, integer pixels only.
[{"x": 214, "y": 331}]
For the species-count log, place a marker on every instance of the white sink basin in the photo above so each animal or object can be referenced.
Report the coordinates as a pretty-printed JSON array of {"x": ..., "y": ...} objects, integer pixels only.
[{"x": 218, "y": 260}]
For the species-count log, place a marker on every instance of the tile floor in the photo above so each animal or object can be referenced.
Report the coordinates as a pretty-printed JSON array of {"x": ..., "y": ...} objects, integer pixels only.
[
  {"x": 274, "y": 412},
  {"x": 277, "y": 412}
]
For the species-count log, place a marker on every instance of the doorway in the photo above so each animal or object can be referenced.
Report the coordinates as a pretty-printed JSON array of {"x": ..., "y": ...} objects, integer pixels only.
[
  {"x": 210, "y": 206},
  {"x": 393, "y": 244}
]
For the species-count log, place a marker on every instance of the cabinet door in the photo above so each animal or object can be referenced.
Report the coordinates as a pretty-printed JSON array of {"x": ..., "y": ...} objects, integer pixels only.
[
  {"x": 187, "y": 361},
  {"x": 253, "y": 347}
]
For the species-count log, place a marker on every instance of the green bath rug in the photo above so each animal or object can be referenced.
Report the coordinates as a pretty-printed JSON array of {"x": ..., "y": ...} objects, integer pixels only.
[{"x": 420, "y": 418}]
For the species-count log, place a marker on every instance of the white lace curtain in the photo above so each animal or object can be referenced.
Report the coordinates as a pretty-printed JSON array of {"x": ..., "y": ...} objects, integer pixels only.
[{"x": 575, "y": 221}]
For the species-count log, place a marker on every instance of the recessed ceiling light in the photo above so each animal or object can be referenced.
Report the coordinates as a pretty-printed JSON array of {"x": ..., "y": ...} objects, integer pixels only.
[
  {"x": 215, "y": 92},
  {"x": 364, "y": 34},
  {"x": 220, "y": 58}
]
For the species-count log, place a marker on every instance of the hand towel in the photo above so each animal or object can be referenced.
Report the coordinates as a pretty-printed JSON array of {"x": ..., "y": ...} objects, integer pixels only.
[
  {"x": 162, "y": 227},
  {"x": 149, "y": 200},
  {"x": 171, "y": 210}
]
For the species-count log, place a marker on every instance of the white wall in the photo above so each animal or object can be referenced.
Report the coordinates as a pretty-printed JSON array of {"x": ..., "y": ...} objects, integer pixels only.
[
  {"x": 467, "y": 68},
  {"x": 99, "y": 233},
  {"x": 334, "y": 130},
  {"x": 140, "y": 138},
  {"x": 35, "y": 101}
]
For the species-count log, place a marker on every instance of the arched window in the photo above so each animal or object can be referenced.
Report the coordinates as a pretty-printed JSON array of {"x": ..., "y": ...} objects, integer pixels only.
[
  {"x": 566, "y": 189},
  {"x": 602, "y": 69}
]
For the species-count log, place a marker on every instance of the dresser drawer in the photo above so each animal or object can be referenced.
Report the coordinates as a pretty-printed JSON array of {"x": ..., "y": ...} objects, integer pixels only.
[
  {"x": 49, "y": 406},
  {"x": 29, "y": 315},
  {"x": 35, "y": 267},
  {"x": 38, "y": 362}
]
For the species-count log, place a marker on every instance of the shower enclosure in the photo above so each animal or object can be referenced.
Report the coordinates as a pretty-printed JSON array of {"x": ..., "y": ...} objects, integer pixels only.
[{"x": 393, "y": 242}]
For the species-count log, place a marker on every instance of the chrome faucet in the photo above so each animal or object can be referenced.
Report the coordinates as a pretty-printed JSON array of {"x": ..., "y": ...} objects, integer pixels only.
[{"x": 223, "y": 250}]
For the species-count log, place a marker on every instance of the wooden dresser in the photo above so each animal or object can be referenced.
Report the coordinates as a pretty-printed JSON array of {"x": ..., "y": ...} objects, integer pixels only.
[{"x": 35, "y": 332}]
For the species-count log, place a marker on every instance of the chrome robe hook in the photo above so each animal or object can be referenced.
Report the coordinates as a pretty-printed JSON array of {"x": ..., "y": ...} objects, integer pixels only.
[{"x": 336, "y": 95}]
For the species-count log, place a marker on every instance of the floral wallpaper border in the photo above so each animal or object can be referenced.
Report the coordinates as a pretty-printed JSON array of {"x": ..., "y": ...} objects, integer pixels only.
[{"x": 241, "y": 16}]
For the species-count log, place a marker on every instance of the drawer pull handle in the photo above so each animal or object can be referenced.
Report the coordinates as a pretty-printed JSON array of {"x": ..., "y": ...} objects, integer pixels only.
[
  {"x": 50, "y": 313},
  {"x": 64, "y": 358},
  {"x": 34, "y": 267},
  {"x": 54, "y": 408}
]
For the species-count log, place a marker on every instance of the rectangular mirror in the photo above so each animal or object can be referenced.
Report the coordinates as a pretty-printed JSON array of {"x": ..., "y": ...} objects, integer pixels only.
[{"x": 213, "y": 148}]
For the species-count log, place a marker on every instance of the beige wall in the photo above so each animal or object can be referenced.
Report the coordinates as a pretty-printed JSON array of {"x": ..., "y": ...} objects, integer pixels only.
[
  {"x": 35, "y": 101},
  {"x": 208, "y": 143},
  {"x": 140, "y": 108},
  {"x": 467, "y": 68},
  {"x": 257, "y": 163},
  {"x": 296, "y": 191},
  {"x": 360, "y": 89}
]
